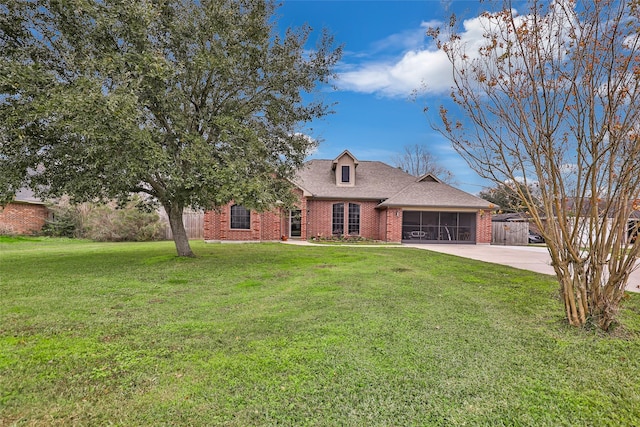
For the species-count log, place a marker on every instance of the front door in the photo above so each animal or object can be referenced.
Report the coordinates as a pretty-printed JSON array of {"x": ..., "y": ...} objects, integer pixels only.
[{"x": 295, "y": 223}]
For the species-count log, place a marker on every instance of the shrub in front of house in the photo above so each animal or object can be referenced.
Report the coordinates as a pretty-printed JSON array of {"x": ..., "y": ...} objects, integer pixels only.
[
  {"x": 7, "y": 231},
  {"x": 342, "y": 238},
  {"x": 65, "y": 221},
  {"x": 130, "y": 223},
  {"x": 104, "y": 222}
]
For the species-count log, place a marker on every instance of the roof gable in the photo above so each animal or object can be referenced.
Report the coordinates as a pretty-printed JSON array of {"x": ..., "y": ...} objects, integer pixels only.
[
  {"x": 344, "y": 153},
  {"x": 429, "y": 177}
]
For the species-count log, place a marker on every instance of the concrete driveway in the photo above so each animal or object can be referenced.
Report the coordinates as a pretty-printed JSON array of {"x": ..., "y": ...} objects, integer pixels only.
[{"x": 531, "y": 258}]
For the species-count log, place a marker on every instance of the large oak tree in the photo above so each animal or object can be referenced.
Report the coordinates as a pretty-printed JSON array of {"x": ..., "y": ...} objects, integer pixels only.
[
  {"x": 551, "y": 97},
  {"x": 195, "y": 103}
]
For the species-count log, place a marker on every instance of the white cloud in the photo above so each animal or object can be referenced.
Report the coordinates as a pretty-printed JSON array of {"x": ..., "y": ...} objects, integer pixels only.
[
  {"x": 406, "y": 40},
  {"x": 420, "y": 67},
  {"x": 422, "y": 70}
]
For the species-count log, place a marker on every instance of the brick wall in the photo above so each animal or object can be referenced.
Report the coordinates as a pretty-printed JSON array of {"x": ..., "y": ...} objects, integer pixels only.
[
  {"x": 212, "y": 225},
  {"x": 22, "y": 218},
  {"x": 382, "y": 223},
  {"x": 270, "y": 225},
  {"x": 393, "y": 226},
  {"x": 390, "y": 225},
  {"x": 483, "y": 227},
  {"x": 273, "y": 224},
  {"x": 304, "y": 208},
  {"x": 369, "y": 219},
  {"x": 319, "y": 220}
]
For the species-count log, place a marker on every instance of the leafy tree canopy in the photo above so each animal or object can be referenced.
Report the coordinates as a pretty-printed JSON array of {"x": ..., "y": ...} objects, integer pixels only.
[
  {"x": 195, "y": 103},
  {"x": 510, "y": 197}
]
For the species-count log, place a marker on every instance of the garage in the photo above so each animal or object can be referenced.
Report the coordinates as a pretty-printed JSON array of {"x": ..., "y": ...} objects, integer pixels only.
[{"x": 438, "y": 227}]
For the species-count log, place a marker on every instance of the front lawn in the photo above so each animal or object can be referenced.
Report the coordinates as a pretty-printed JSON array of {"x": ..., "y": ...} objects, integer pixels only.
[{"x": 273, "y": 334}]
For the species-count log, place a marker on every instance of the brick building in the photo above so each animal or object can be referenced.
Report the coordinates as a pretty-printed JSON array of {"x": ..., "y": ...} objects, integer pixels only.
[
  {"x": 26, "y": 214},
  {"x": 371, "y": 199}
]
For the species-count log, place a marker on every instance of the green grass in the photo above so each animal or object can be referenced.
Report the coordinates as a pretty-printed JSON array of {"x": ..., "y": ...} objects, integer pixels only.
[{"x": 272, "y": 334}]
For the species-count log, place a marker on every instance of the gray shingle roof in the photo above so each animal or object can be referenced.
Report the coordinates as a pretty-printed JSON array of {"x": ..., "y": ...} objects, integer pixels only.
[
  {"x": 380, "y": 181},
  {"x": 435, "y": 195},
  {"x": 374, "y": 180},
  {"x": 25, "y": 195}
]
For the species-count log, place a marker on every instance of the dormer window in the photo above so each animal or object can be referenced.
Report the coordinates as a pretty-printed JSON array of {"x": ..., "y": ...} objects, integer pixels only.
[
  {"x": 344, "y": 169},
  {"x": 345, "y": 174}
]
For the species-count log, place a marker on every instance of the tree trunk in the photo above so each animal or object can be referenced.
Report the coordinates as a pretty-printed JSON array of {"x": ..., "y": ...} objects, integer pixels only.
[
  {"x": 590, "y": 294},
  {"x": 180, "y": 238},
  {"x": 572, "y": 303}
]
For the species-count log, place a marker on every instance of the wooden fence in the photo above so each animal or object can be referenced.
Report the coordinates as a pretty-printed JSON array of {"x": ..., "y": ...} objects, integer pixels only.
[
  {"x": 193, "y": 223},
  {"x": 510, "y": 233}
]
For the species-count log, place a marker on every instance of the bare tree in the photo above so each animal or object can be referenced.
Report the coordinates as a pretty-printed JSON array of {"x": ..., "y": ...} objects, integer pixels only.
[
  {"x": 553, "y": 96},
  {"x": 416, "y": 160}
]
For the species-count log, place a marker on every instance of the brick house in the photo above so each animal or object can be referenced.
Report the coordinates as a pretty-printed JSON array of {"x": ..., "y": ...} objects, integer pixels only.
[
  {"x": 26, "y": 214},
  {"x": 364, "y": 198}
]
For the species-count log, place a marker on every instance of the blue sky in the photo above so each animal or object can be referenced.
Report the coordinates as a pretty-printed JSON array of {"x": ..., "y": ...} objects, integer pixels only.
[{"x": 387, "y": 55}]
